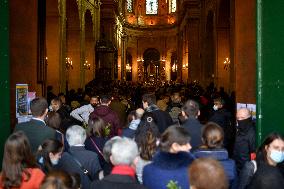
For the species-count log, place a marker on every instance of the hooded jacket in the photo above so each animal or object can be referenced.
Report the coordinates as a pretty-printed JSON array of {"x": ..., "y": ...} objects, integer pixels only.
[{"x": 109, "y": 116}]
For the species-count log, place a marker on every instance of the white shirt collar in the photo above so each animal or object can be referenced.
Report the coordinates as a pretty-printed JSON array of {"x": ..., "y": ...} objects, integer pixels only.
[
  {"x": 39, "y": 120},
  {"x": 79, "y": 145}
]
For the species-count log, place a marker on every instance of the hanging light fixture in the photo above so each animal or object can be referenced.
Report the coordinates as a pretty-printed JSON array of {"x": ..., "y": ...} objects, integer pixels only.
[
  {"x": 69, "y": 64},
  {"x": 227, "y": 63}
]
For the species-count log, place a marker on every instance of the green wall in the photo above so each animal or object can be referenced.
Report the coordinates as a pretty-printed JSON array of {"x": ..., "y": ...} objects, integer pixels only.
[
  {"x": 270, "y": 67},
  {"x": 4, "y": 76}
]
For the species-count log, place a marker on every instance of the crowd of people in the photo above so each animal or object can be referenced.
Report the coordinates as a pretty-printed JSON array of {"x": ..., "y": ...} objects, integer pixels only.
[{"x": 126, "y": 135}]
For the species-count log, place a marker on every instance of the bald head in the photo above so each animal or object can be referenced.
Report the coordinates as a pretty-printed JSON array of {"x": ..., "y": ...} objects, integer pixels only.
[{"x": 243, "y": 113}]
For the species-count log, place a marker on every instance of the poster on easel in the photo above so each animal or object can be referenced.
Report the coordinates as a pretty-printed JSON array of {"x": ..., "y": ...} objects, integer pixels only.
[{"x": 22, "y": 106}]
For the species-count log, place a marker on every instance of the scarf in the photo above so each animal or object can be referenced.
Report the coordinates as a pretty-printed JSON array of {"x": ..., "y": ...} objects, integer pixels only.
[{"x": 123, "y": 170}]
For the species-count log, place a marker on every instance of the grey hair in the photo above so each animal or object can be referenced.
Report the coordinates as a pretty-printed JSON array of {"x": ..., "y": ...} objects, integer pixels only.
[
  {"x": 108, "y": 146},
  {"x": 76, "y": 135},
  {"x": 124, "y": 151}
]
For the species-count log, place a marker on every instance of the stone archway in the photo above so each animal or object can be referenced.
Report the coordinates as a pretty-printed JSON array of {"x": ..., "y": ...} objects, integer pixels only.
[{"x": 151, "y": 65}]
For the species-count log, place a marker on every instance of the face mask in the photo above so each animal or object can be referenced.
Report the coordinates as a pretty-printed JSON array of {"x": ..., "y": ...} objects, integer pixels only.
[
  {"x": 54, "y": 161},
  {"x": 277, "y": 156},
  {"x": 215, "y": 107},
  {"x": 50, "y": 108},
  {"x": 243, "y": 124}
]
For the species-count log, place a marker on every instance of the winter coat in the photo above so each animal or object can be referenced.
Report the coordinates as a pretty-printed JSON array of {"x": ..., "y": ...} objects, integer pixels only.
[
  {"x": 162, "y": 118},
  {"x": 116, "y": 181},
  {"x": 194, "y": 127},
  {"x": 167, "y": 167},
  {"x": 244, "y": 144},
  {"x": 109, "y": 116},
  {"x": 222, "y": 156},
  {"x": 267, "y": 176},
  {"x": 87, "y": 158},
  {"x": 223, "y": 118}
]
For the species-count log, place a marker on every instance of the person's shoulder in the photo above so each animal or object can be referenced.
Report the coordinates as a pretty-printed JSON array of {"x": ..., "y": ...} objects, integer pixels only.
[
  {"x": 36, "y": 173},
  {"x": 149, "y": 168},
  {"x": 88, "y": 154},
  {"x": 192, "y": 122},
  {"x": 23, "y": 124},
  {"x": 49, "y": 130}
]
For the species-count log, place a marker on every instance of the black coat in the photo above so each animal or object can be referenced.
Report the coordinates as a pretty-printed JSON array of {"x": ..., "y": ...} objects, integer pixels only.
[
  {"x": 244, "y": 145},
  {"x": 267, "y": 176},
  {"x": 115, "y": 181},
  {"x": 224, "y": 119},
  {"x": 87, "y": 158},
  {"x": 194, "y": 127},
  {"x": 100, "y": 142},
  {"x": 37, "y": 132},
  {"x": 162, "y": 118}
]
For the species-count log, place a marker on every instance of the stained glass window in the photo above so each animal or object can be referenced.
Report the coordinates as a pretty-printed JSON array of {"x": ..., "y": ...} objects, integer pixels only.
[
  {"x": 151, "y": 6},
  {"x": 129, "y": 6},
  {"x": 172, "y": 6}
]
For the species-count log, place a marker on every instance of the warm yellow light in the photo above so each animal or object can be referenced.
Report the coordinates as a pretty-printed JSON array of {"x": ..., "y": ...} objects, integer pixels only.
[
  {"x": 87, "y": 66},
  {"x": 128, "y": 68}
]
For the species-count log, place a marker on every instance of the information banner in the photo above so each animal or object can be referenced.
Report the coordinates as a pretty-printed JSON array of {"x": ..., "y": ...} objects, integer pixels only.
[{"x": 22, "y": 106}]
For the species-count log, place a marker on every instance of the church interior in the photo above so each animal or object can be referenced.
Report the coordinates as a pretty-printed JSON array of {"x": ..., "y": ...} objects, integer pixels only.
[{"x": 68, "y": 43}]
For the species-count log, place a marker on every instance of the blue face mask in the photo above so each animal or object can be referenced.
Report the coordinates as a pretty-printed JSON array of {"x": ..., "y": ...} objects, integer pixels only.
[
  {"x": 277, "y": 156},
  {"x": 54, "y": 161}
]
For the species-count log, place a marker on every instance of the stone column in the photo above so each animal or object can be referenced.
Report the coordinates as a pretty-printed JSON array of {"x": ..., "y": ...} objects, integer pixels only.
[
  {"x": 179, "y": 55},
  {"x": 94, "y": 20},
  {"x": 98, "y": 6},
  {"x": 96, "y": 30},
  {"x": 82, "y": 10},
  {"x": 194, "y": 64},
  {"x": 123, "y": 56},
  {"x": 62, "y": 45}
]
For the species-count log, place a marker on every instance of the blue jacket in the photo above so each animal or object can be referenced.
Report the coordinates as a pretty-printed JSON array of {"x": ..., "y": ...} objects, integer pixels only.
[
  {"x": 166, "y": 167},
  {"x": 222, "y": 156},
  {"x": 129, "y": 132}
]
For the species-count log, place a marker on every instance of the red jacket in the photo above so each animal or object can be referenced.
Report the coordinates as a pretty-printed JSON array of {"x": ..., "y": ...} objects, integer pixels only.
[{"x": 33, "y": 183}]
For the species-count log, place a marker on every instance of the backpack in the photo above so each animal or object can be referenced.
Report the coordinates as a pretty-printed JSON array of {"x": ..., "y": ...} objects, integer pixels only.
[
  {"x": 247, "y": 174},
  {"x": 254, "y": 165}
]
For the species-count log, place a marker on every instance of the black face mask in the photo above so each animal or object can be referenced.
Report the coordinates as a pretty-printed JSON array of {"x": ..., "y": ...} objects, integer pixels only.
[{"x": 244, "y": 124}]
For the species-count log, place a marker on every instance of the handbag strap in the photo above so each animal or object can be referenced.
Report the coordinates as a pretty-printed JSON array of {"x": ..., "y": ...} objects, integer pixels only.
[
  {"x": 98, "y": 149},
  {"x": 85, "y": 171}
]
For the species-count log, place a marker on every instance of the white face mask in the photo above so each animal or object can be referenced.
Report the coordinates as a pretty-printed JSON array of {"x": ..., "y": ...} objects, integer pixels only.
[{"x": 215, "y": 107}]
